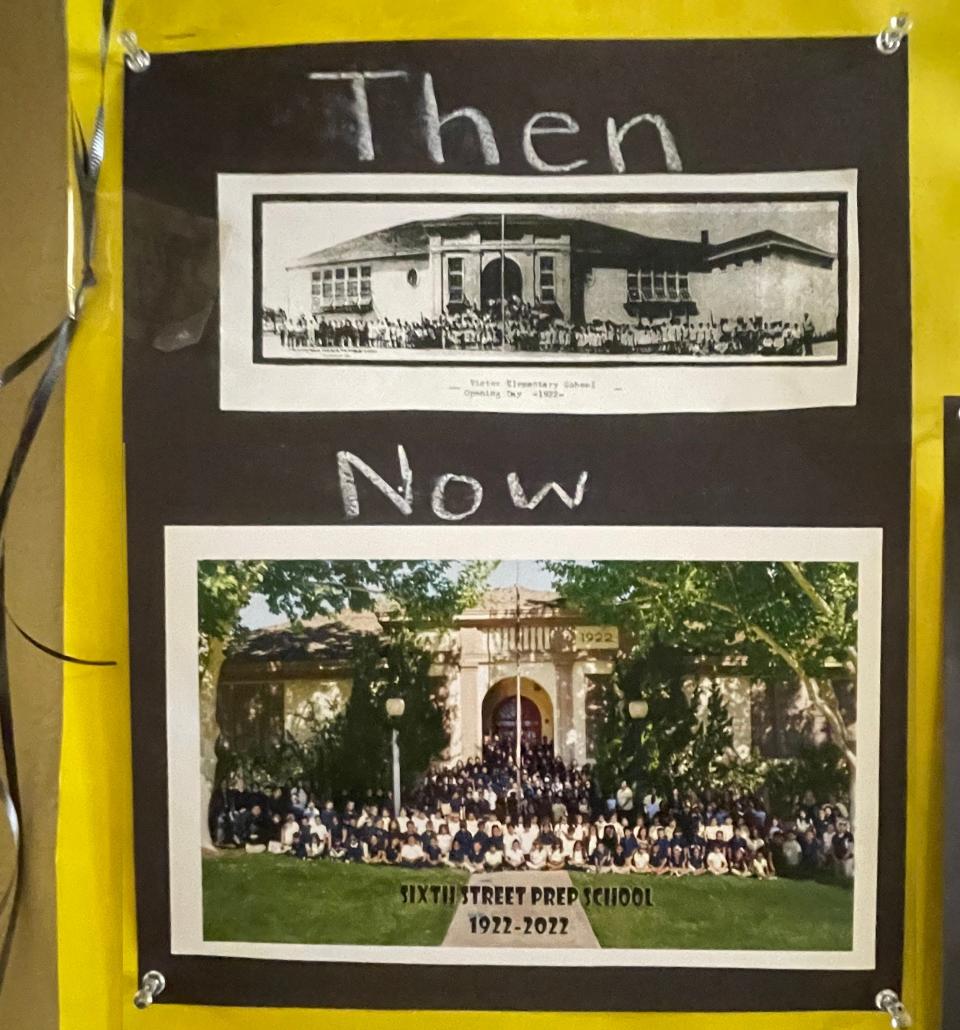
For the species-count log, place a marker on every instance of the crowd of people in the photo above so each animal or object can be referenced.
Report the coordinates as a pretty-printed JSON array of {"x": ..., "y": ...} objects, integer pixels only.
[
  {"x": 477, "y": 816},
  {"x": 529, "y": 327}
]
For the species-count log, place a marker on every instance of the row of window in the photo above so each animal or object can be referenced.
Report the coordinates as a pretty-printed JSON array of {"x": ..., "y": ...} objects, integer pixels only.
[
  {"x": 349, "y": 284},
  {"x": 346, "y": 284},
  {"x": 651, "y": 284}
]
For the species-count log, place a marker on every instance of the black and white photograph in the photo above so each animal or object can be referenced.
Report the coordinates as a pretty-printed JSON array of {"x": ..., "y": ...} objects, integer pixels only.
[
  {"x": 667, "y": 757},
  {"x": 582, "y": 300}
]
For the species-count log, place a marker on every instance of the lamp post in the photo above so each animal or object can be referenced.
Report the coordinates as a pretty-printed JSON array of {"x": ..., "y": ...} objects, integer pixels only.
[
  {"x": 395, "y": 707},
  {"x": 637, "y": 710}
]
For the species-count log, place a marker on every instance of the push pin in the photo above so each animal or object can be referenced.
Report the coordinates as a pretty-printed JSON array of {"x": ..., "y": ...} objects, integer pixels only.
[
  {"x": 889, "y": 40},
  {"x": 889, "y": 1001},
  {"x": 152, "y": 984},
  {"x": 137, "y": 59}
]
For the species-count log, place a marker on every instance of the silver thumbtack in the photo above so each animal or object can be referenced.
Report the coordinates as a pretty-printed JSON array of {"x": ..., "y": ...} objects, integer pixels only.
[
  {"x": 137, "y": 59},
  {"x": 151, "y": 985},
  {"x": 889, "y": 40},
  {"x": 889, "y": 1001}
]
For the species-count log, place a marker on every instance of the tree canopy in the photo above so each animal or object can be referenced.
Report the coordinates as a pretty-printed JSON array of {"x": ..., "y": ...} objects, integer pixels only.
[{"x": 788, "y": 619}]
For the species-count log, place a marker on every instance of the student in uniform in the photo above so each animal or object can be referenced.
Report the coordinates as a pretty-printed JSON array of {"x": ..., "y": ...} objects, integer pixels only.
[
  {"x": 375, "y": 852},
  {"x": 677, "y": 862},
  {"x": 432, "y": 855},
  {"x": 640, "y": 860},
  {"x": 601, "y": 860},
  {"x": 537, "y": 859},
  {"x": 354, "y": 851},
  {"x": 514, "y": 856},
  {"x": 556, "y": 860},
  {"x": 621, "y": 862},
  {"x": 761, "y": 867},
  {"x": 493, "y": 858},
  {"x": 391, "y": 851},
  {"x": 740, "y": 862},
  {"x": 475, "y": 857},
  {"x": 696, "y": 866},
  {"x": 457, "y": 856},
  {"x": 464, "y": 838},
  {"x": 717, "y": 861},
  {"x": 578, "y": 857},
  {"x": 660, "y": 854}
]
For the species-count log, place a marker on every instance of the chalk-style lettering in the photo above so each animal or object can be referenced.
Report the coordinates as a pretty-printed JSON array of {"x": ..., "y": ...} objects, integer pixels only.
[
  {"x": 438, "y": 499},
  {"x": 361, "y": 106},
  {"x": 347, "y": 462},
  {"x": 433, "y": 123},
  {"x": 549, "y": 123},
  {"x": 520, "y": 500},
  {"x": 615, "y": 140}
]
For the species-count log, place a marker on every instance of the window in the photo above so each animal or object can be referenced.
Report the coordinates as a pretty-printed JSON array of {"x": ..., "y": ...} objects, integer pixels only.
[
  {"x": 633, "y": 288},
  {"x": 346, "y": 286},
  {"x": 455, "y": 280},
  {"x": 655, "y": 284},
  {"x": 548, "y": 293}
]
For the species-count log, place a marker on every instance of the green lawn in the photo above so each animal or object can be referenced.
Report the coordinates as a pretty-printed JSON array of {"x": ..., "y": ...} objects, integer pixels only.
[
  {"x": 278, "y": 899},
  {"x": 726, "y": 912},
  {"x": 274, "y": 898}
]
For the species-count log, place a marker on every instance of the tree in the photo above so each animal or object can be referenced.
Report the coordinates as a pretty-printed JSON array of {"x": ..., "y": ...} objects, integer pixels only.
[
  {"x": 417, "y": 592},
  {"x": 788, "y": 619},
  {"x": 674, "y": 744}
]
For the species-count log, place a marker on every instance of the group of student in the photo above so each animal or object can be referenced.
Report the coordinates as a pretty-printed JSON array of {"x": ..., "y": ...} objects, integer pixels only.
[
  {"x": 527, "y": 327},
  {"x": 474, "y": 817}
]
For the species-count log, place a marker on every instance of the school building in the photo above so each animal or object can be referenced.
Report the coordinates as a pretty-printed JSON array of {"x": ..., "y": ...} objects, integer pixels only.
[
  {"x": 580, "y": 270},
  {"x": 285, "y": 679}
]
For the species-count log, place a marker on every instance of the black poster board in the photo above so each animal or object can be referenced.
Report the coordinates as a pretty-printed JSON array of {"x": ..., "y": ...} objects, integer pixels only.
[{"x": 734, "y": 106}]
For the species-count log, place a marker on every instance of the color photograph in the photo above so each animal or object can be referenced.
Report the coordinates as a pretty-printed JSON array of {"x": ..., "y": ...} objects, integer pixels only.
[{"x": 565, "y": 754}]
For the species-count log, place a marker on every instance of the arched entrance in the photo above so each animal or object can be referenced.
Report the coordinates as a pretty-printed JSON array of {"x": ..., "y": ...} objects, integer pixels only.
[
  {"x": 503, "y": 722},
  {"x": 491, "y": 281},
  {"x": 536, "y": 711}
]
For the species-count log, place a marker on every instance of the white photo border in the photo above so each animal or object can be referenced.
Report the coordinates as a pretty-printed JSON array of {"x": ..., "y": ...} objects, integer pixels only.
[
  {"x": 641, "y": 388},
  {"x": 187, "y": 545}
]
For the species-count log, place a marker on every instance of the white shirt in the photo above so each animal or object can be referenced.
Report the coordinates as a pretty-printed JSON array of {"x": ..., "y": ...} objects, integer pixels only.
[
  {"x": 716, "y": 862},
  {"x": 411, "y": 853}
]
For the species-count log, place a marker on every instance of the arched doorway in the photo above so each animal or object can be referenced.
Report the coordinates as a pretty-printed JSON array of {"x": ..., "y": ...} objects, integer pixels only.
[
  {"x": 536, "y": 711},
  {"x": 491, "y": 281},
  {"x": 503, "y": 721}
]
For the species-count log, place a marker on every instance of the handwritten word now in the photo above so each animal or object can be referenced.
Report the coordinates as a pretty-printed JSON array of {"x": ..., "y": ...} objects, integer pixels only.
[{"x": 401, "y": 496}]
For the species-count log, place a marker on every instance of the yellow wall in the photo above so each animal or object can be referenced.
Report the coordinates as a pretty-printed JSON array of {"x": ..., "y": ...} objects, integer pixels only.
[{"x": 97, "y": 932}]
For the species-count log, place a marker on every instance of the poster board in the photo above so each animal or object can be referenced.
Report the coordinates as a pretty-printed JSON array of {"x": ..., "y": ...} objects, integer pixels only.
[
  {"x": 74, "y": 866},
  {"x": 443, "y": 260}
]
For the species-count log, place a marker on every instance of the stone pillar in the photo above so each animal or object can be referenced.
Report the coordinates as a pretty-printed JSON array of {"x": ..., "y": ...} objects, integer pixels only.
[
  {"x": 564, "y": 731},
  {"x": 471, "y": 732},
  {"x": 579, "y": 704}
]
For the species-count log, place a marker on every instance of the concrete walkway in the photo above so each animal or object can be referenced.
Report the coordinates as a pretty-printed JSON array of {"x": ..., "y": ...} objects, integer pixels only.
[{"x": 522, "y": 909}]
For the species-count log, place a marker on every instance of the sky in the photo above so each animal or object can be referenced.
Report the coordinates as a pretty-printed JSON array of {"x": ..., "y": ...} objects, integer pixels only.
[
  {"x": 291, "y": 230},
  {"x": 530, "y": 574}
]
